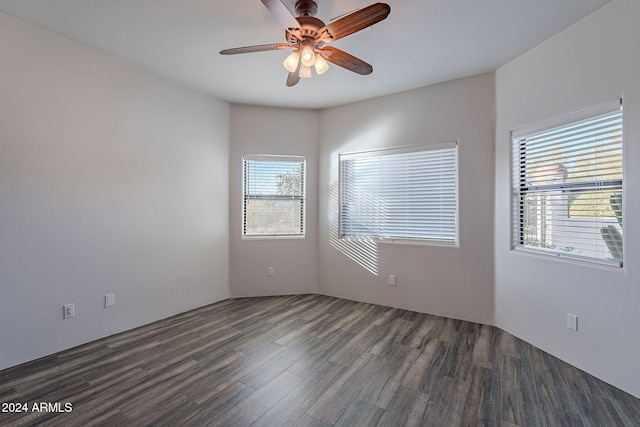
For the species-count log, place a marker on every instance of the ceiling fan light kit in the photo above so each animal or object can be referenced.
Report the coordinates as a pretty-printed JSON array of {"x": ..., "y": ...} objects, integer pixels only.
[{"x": 307, "y": 35}]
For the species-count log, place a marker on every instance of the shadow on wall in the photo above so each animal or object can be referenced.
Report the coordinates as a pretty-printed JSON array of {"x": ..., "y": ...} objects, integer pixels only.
[
  {"x": 362, "y": 250},
  {"x": 373, "y": 133}
]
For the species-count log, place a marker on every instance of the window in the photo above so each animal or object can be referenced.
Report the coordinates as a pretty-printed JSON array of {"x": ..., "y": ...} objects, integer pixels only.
[
  {"x": 567, "y": 185},
  {"x": 406, "y": 193},
  {"x": 273, "y": 202}
]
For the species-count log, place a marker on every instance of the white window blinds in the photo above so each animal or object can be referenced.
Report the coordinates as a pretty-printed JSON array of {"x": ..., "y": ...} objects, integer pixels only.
[
  {"x": 568, "y": 187},
  {"x": 408, "y": 193},
  {"x": 273, "y": 202}
]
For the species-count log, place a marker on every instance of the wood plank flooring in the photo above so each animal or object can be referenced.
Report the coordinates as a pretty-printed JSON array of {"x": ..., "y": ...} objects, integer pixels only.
[{"x": 311, "y": 360}]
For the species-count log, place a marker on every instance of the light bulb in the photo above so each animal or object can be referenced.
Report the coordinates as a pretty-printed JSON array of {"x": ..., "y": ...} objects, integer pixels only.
[
  {"x": 307, "y": 56},
  {"x": 305, "y": 72},
  {"x": 321, "y": 65},
  {"x": 291, "y": 63}
]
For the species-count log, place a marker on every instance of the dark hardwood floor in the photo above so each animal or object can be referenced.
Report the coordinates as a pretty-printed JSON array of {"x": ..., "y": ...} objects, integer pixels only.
[{"x": 311, "y": 360}]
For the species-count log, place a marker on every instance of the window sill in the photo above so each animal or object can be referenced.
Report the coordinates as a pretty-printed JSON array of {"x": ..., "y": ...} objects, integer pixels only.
[
  {"x": 273, "y": 237},
  {"x": 610, "y": 264}
]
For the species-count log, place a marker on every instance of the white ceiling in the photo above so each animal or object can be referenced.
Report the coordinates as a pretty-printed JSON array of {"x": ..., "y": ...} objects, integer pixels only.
[{"x": 422, "y": 42}]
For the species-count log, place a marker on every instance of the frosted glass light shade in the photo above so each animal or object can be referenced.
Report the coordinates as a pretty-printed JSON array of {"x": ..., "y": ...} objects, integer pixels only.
[
  {"x": 291, "y": 62},
  {"x": 321, "y": 65},
  {"x": 305, "y": 72},
  {"x": 307, "y": 56}
]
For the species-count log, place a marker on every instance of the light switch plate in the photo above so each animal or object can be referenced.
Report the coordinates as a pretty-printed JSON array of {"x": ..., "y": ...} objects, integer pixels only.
[
  {"x": 572, "y": 321},
  {"x": 109, "y": 300}
]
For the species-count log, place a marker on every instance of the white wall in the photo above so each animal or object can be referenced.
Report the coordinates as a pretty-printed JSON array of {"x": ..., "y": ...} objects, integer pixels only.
[
  {"x": 114, "y": 181},
  {"x": 111, "y": 181},
  {"x": 595, "y": 60},
  {"x": 266, "y": 130},
  {"x": 454, "y": 282}
]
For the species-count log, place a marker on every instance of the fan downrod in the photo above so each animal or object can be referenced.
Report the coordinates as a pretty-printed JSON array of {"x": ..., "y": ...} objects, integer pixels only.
[{"x": 306, "y": 7}]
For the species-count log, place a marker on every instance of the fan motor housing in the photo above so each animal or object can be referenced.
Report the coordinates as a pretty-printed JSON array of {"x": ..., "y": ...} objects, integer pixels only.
[{"x": 310, "y": 26}]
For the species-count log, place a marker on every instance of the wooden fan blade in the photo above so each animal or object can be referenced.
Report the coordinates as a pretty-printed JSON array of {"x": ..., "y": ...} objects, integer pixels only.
[
  {"x": 354, "y": 22},
  {"x": 257, "y": 48},
  {"x": 294, "y": 78},
  {"x": 284, "y": 16},
  {"x": 345, "y": 60}
]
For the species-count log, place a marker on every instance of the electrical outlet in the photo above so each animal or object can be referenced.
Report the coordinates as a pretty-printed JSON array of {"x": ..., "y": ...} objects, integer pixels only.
[
  {"x": 270, "y": 271},
  {"x": 392, "y": 280},
  {"x": 109, "y": 300},
  {"x": 68, "y": 310}
]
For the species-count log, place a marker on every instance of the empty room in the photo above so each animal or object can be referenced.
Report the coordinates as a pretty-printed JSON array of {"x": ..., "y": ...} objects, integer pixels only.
[{"x": 320, "y": 213}]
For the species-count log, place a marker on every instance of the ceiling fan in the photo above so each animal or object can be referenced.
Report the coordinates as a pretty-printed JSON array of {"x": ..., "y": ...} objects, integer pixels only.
[{"x": 307, "y": 35}]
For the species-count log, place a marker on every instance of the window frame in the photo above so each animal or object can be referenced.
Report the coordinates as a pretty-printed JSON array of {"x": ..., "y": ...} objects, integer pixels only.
[
  {"x": 302, "y": 198},
  {"x": 442, "y": 242},
  {"x": 517, "y": 214}
]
